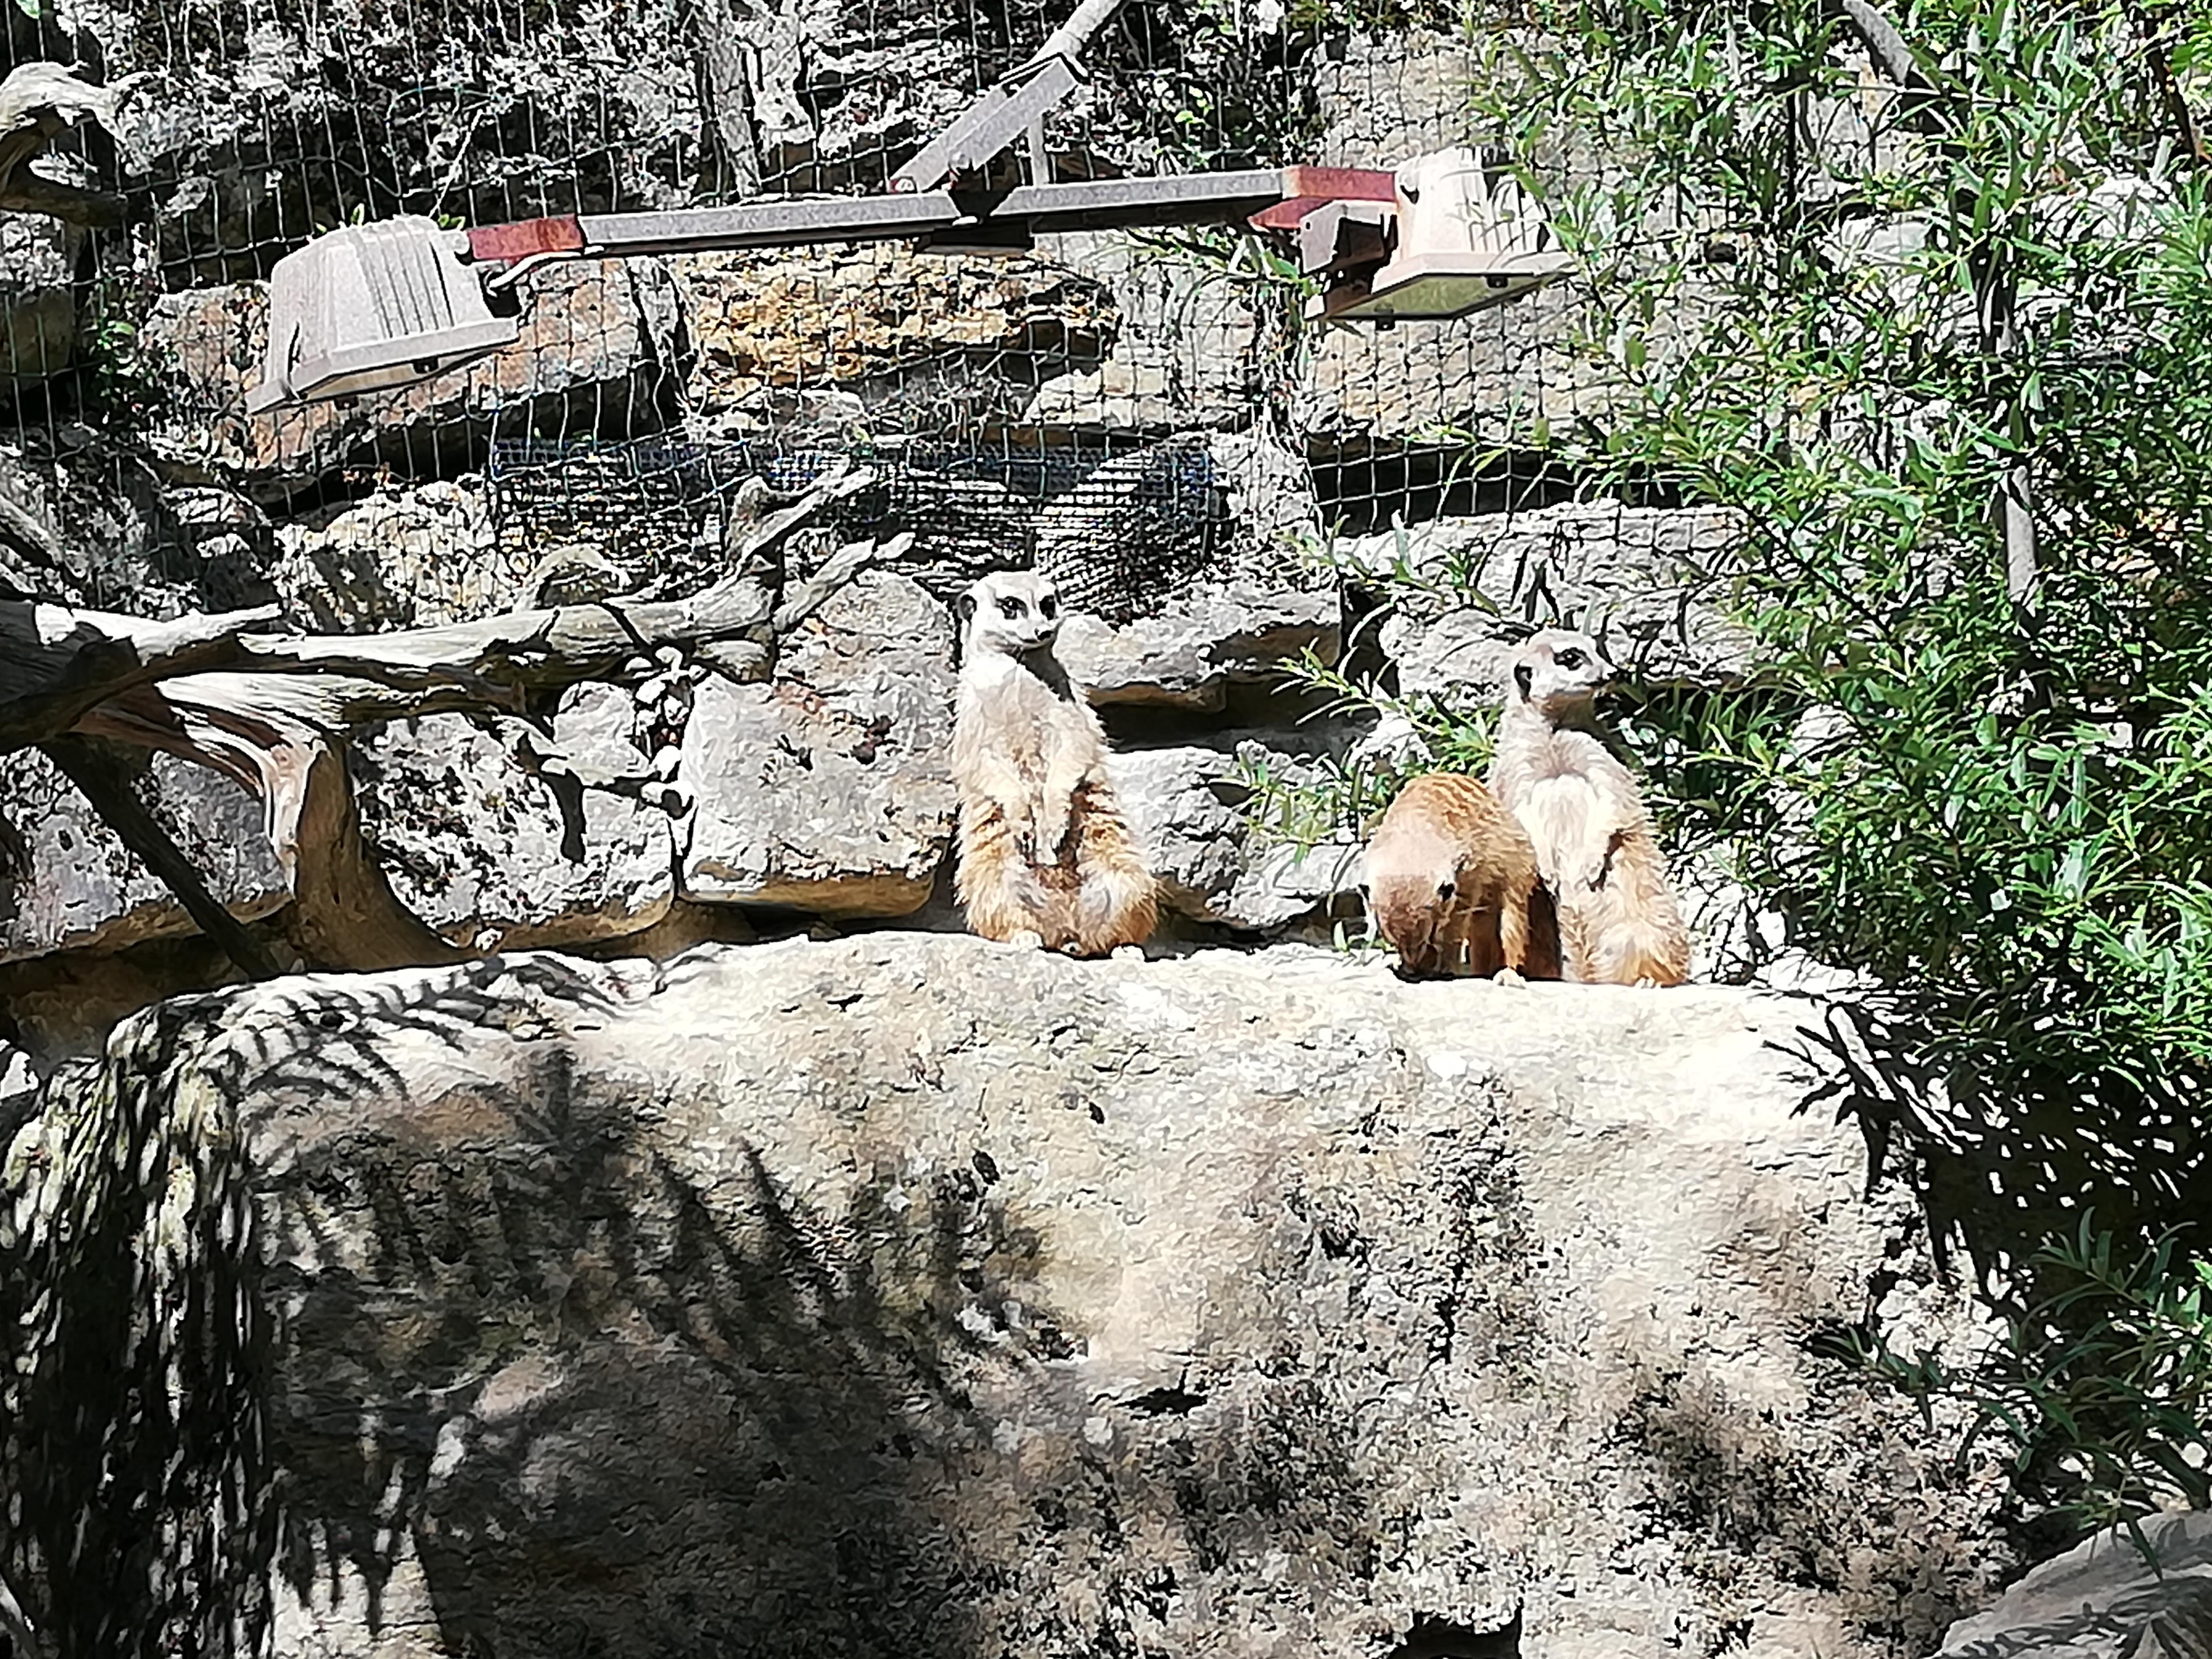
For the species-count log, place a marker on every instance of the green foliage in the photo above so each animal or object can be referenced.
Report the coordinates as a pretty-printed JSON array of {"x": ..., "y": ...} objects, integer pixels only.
[
  {"x": 120, "y": 377},
  {"x": 2102, "y": 1390},
  {"x": 1863, "y": 322}
]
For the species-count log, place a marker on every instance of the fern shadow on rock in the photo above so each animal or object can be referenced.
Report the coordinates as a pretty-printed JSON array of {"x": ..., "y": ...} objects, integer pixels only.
[{"x": 496, "y": 1346}]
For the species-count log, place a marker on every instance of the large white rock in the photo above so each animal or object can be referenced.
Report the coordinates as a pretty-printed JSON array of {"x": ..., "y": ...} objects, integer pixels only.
[
  {"x": 489, "y": 853},
  {"x": 2104, "y": 1598},
  {"x": 908, "y": 1295},
  {"x": 829, "y": 789}
]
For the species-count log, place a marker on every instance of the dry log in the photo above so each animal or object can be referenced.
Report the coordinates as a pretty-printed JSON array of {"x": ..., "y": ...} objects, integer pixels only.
[
  {"x": 38, "y": 101},
  {"x": 272, "y": 711}
]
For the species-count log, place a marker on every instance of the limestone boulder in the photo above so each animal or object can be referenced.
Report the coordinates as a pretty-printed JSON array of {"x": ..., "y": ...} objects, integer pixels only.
[
  {"x": 602, "y": 352},
  {"x": 400, "y": 558},
  {"x": 1188, "y": 804},
  {"x": 829, "y": 789},
  {"x": 68, "y": 884},
  {"x": 909, "y": 1295},
  {"x": 1198, "y": 645},
  {"x": 2109, "y": 1597},
  {"x": 488, "y": 852}
]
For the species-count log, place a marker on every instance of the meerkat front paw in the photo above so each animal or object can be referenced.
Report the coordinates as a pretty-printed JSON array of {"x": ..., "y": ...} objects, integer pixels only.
[
  {"x": 1026, "y": 939},
  {"x": 1051, "y": 836},
  {"x": 1128, "y": 953},
  {"x": 1507, "y": 976}
]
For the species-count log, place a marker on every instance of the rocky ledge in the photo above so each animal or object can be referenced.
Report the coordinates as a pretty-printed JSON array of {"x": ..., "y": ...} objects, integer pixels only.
[{"x": 909, "y": 1295}]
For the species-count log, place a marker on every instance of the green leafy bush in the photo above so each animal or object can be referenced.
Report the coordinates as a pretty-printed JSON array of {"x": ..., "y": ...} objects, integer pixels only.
[{"x": 1896, "y": 329}]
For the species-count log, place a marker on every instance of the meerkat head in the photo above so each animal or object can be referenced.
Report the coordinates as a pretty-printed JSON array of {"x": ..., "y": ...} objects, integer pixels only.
[
  {"x": 1013, "y": 612},
  {"x": 1557, "y": 672}
]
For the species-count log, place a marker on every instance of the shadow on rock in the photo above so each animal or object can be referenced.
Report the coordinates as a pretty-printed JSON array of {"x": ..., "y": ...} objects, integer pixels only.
[{"x": 485, "y": 1360}]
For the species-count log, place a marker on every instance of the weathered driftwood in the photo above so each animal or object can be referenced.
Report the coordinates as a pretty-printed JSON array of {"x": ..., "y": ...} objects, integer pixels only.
[
  {"x": 57, "y": 663},
  {"x": 272, "y": 711},
  {"x": 38, "y": 102},
  {"x": 96, "y": 778}
]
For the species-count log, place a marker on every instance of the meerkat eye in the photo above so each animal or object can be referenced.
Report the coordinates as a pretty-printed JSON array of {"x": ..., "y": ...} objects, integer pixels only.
[
  {"x": 1010, "y": 606},
  {"x": 1571, "y": 658},
  {"x": 1046, "y": 605}
]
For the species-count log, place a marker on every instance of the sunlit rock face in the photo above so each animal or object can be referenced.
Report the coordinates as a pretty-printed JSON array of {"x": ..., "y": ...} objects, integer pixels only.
[{"x": 910, "y": 1295}]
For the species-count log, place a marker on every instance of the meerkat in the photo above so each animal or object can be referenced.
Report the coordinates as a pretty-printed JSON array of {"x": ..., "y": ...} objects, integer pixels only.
[
  {"x": 1045, "y": 858},
  {"x": 1618, "y": 922},
  {"x": 1452, "y": 884}
]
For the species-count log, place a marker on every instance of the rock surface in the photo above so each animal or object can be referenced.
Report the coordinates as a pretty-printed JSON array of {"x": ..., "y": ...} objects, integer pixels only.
[
  {"x": 38, "y": 305},
  {"x": 1186, "y": 802},
  {"x": 413, "y": 558},
  {"x": 908, "y": 1295},
  {"x": 1194, "y": 649},
  {"x": 2102, "y": 1600},
  {"x": 829, "y": 790},
  {"x": 601, "y": 353},
  {"x": 1649, "y": 582},
  {"x": 68, "y": 884},
  {"x": 489, "y": 853}
]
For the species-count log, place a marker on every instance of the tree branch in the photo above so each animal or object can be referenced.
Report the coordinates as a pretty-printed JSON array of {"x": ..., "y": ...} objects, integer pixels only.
[{"x": 98, "y": 781}]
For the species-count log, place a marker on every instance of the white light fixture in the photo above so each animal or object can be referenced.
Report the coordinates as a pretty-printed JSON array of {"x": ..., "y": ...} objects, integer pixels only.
[
  {"x": 1462, "y": 239},
  {"x": 370, "y": 307}
]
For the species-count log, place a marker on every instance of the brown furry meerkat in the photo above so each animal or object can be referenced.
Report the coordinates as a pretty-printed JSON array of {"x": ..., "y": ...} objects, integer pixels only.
[
  {"x": 1046, "y": 858},
  {"x": 1451, "y": 883},
  {"x": 1618, "y": 922}
]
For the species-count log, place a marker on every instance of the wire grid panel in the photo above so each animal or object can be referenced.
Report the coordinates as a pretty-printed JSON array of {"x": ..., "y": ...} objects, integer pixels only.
[{"x": 968, "y": 381}]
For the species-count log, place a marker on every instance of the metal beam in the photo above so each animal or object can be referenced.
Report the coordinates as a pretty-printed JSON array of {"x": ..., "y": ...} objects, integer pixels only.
[
  {"x": 1040, "y": 210},
  {"x": 987, "y": 126}
]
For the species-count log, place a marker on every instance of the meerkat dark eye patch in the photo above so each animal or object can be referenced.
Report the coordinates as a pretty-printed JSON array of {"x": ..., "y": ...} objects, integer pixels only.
[
  {"x": 1048, "y": 606},
  {"x": 1524, "y": 677},
  {"x": 1447, "y": 889},
  {"x": 1010, "y": 606}
]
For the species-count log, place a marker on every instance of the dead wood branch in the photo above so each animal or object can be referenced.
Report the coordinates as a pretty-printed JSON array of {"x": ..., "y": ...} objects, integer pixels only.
[
  {"x": 38, "y": 102},
  {"x": 273, "y": 711},
  {"x": 56, "y": 663}
]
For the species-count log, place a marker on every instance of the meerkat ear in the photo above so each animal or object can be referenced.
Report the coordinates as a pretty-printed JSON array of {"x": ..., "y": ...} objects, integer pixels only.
[
  {"x": 1525, "y": 678},
  {"x": 963, "y": 608}
]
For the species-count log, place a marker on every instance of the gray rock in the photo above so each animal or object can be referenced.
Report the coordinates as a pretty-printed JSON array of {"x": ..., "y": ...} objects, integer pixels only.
[
  {"x": 487, "y": 853},
  {"x": 914, "y": 1296},
  {"x": 413, "y": 558},
  {"x": 1186, "y": 803},
  {"x": 1188, "y": 653},
  {"x": 1648, "y": 582},
  {"x": 38, "y": 305},
  {"x": 68, "y": 884},
  {"x": 2103, "y": 1600},
  {"x": 829, "y": 789},
  {"x": 602, "y": 352},
  {"x": 81, "y": 533},
  {"x": 1187, "y": 351}
]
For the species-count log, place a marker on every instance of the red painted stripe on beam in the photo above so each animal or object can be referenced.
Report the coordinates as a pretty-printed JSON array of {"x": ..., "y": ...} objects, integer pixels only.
[{"x": 506, "y": 244}]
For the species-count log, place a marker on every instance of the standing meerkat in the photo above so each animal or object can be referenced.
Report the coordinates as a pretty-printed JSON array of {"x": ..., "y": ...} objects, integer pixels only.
[
  {"x": 1045, "y": 856},
  {"x": 1452, "y": 883},
  {"x": 1618, "y": 923}
]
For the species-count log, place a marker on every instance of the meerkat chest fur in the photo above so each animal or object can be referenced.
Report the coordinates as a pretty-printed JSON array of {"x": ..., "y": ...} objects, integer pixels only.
[{"x": 1028, "y": 717}]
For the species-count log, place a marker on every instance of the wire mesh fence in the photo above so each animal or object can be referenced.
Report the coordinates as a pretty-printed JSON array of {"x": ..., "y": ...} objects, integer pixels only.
[{"x": 1052, "y": 403}]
